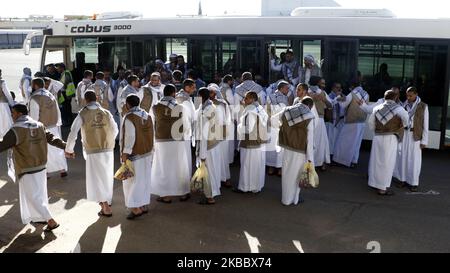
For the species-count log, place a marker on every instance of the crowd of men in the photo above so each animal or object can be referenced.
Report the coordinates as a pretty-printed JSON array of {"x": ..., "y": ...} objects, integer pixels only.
[{"x": 167, "y": 128}]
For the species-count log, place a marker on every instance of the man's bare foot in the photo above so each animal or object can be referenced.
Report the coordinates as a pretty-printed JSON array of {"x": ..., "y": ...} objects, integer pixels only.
[{"x": 271, "y": 171}]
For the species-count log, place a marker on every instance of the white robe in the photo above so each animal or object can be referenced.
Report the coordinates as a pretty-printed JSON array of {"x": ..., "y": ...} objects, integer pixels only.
[
  {"x": 349, "y": 138},
  {"x": 34, "y": 198},
  {"x": 231, "y": 128},
  {"x": 293, "y": 163},
  {"x": 224, "y": 119},
  {"x": 409, "y": 157},
  {"x": 253, "y": 160},
  {"x": 137, "y": 190},
  {"x": 5, "y": 113},
  {"x": 321, "y": 145},
  {"x": 274, "y": 153},
  {"x": 170, "y": 171},
  {"x": 253, "y": 169},
  {"x": 99, "y": 166},
  {"x": 189, "y": 117},
  {"x": 214, "y": 159},
  {"x": 383, "y": 154}
]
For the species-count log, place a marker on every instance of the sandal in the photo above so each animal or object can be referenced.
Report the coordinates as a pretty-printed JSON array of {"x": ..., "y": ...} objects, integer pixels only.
[
  {"x": 49, "y": 228},
  {"x": 185, "y": 198},
  {"x": 162, "y": 200},
  {"x": 101, "y": 213},
  {"x": 386, "y": 193},
  {"x": 132, "y": 216},
  {"x": 206, "y": 202}
]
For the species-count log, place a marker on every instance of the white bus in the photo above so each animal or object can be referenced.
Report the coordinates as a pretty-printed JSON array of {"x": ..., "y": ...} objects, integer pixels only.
[{"x": 416, "y": 51}]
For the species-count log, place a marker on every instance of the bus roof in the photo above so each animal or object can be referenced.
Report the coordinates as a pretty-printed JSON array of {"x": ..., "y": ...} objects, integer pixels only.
[{"x": 278, "y": 26}]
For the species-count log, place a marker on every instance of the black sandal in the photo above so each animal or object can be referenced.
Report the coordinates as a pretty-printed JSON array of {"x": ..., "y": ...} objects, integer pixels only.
[
  {"x": 101, "y": 213},
  {"x": 386, "y": 193},
  {"x": 49, "y": 228},
  {"x": 132, "y": 216},
  {"x": 162, "y": 200},
  {"x": 185, "y": 198},
  {"x": 206, "y": 202}
]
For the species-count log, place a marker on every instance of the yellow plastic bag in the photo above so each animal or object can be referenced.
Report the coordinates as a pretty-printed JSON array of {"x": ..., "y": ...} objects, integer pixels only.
[
  {"x": 125, "y": 171},
  {"x": 309, "y": 177},
  {"x": 200, "y": 182}
]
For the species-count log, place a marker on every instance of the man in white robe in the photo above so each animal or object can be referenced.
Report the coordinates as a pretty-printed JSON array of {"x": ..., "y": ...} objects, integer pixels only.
[
  {"x": 152, "y": 92},
  {"x": 252, "y": 132},
  {"x": 183, "y": 98},
  {"x": 297, "y": 139},
  {"x": 136, "y": 138},
  {"x": 28, "y": 140},
  {"x": 336, "y": 122},
  {"x": 172, "y": 165},
  {"x": 53, "y": 86},
  {"x": 103, "y": 90},
  {"x": 5, "y": 102},
  {"x": 98, "y": 133},
  {"x": 131, "y": 88},
  {"x": 82, "y": 87},
  {"x": 322, "y": 102},
  {"x": 25, "y": 84},
  {"x": 409, "y": 158},
  {"x": 348, "y": 141},
  {"x": 208, "y": 146},
  {"x": 223, "y": 122},
  {"x": 276, "y": 103},
  {"x": 43, "y": 107},
  {"x": 249, "y": 85},
  {"x": 388, "y": 121},
  {"x": 226, "y": 90}
]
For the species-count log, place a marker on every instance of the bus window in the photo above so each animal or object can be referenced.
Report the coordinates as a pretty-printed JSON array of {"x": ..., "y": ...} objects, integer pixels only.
[
  {"x": 89, "y": 47},
  {"x": 431, "y": 75},
  {"x": 277, "y": 51},
  {"x": 312, "y": 47},
  {"x": 300, "y": 48},
  {"x": 54, "y": 56},
  {"x": 202, "y": 57},
  {"x": 384, "y": 64},
  {"x": 228, "y": 61},
  {"x": 250, "y": 56},
  {"x": 176, "y": 46}
]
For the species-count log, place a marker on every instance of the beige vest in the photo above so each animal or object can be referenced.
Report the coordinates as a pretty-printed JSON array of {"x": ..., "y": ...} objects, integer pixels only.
[
  {"x": 48, "y": 110},
  {"x": 354, "y": 113},
  {"x": 418, "y": 121},
  {"x": 320, "y": 105},
  {"x": 294, "y": 137},
  {"x": 256, "y": 137},
  {"x": 392, "y": 127},
  {"x": 95, "y": 129},
  {"x": 2, "y": 95},
  {"x": 164, "y": 122},
  {"x": 143, "y": 143},
  {"x": 30, "y": 152},
  {"x": 147, "y": 99}
]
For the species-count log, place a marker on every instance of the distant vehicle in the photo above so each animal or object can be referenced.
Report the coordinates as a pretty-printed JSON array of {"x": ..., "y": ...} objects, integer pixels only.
[{"x": 416, "y": 51}]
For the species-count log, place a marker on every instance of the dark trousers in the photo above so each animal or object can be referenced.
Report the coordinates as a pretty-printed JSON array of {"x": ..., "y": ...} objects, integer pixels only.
[{"x": 66, "y": 111}]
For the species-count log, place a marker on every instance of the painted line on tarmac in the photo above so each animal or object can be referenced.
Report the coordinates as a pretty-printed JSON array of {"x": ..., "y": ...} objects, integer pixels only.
[
  {"x": 298, "y": 245},
  {"x": 253, "y": 242}
]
